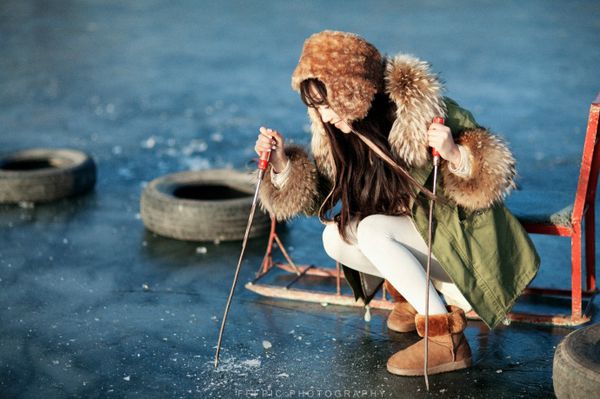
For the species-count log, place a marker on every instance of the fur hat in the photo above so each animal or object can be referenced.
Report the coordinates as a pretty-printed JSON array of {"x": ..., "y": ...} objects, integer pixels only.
[{"x": 351, "y": 69}]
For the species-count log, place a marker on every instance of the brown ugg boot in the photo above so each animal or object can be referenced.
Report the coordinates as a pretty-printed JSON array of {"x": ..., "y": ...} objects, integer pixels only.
[
  {"x": 448, "y": 346},
  {"x": 402, "y": 316}
]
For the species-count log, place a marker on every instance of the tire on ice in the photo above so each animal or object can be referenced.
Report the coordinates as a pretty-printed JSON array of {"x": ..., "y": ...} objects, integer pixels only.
[
  {"x": 576, "y": 367},
  {"x": 204, "y": 205},
  {"x": 45, "y": 174}
]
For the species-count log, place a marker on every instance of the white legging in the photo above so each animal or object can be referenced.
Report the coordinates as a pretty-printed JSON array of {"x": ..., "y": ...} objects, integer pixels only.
[{"x": 390, "y": 247}]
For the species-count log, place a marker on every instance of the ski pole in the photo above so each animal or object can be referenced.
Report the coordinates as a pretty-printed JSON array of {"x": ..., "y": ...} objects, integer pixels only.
[
  {"x": 436, "y": 163},
  {"x": 263, "y": 162}
]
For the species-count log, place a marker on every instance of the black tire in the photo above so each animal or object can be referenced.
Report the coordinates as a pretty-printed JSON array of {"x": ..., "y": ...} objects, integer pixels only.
[
  {"x": 205, "y": 205},
  {"x": 44, "y": 175},
  {"x": 576, "y": 370}
]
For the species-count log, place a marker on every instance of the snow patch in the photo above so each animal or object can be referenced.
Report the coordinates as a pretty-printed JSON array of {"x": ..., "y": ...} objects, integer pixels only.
[{"x": 233, "y": 365}]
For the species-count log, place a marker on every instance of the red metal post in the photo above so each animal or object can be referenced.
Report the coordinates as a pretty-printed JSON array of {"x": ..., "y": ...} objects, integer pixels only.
[
  {"x": 590, "y": 244},
  {"x": 576, "y": 272},
  {"x": 584, "y": 201},
  {"x": 590, "y": 249},
  {"x": 268, "y": 259}
]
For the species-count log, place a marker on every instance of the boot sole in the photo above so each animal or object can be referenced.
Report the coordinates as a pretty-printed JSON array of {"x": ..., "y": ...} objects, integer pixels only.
[{"x": 442, "y": 368}]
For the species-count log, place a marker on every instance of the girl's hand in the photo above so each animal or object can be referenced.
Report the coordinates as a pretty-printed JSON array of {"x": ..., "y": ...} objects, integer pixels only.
[
  {"x": 440, "y": 137},
  {"x": 271, "y": 140}
]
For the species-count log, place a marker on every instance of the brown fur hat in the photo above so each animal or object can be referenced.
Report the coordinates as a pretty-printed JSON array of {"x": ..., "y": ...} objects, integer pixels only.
[{"x": 350, "y": 67}]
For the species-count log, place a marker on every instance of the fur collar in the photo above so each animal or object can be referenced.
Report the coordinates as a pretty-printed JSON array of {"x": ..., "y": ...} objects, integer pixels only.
[{"x": 417, "y": 94}]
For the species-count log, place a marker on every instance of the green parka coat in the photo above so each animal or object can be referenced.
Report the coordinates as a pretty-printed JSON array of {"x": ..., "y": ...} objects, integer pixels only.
[{"x": 486, "y": 252}]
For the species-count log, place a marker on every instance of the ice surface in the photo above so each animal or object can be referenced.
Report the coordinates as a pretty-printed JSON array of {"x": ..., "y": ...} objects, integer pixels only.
[{"x": 90, "y": 297}]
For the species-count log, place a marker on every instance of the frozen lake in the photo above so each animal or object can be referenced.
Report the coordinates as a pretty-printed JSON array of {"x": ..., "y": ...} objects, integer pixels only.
[{"x": 93, "y": 305}]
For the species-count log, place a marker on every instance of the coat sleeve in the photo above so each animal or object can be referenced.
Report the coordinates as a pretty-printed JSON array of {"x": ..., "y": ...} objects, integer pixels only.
[
  {"x": 302, "y": 192},
  {"x": 492, "y": 164}
]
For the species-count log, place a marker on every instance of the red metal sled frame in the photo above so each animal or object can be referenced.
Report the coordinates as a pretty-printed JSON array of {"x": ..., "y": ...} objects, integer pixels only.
[
  {"x": 381, "y": 302},
  {"x": 581, "y": 230}
]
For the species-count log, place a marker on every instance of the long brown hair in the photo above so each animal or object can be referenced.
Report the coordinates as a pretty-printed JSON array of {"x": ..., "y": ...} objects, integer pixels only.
[{"x": 364, "y": 183}]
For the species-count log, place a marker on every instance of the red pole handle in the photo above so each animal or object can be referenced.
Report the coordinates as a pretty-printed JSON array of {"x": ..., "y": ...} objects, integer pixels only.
[
  {"x": 440, "y": 120},
  {"x": 263, "y": 161}
]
